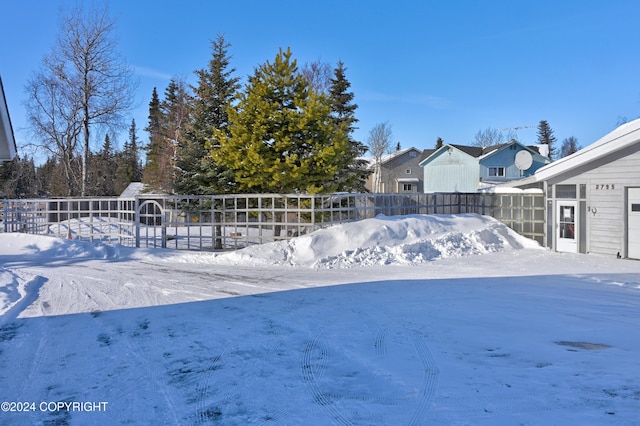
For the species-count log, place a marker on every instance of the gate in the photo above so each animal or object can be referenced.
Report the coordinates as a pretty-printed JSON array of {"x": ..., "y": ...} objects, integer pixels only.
[
  {"x": 225, "y": 222},
  {"x": 151, "y": 228}
]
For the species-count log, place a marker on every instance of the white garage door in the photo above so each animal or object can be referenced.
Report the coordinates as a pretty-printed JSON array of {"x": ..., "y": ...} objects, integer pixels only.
[{"x": 633, "y": 223}]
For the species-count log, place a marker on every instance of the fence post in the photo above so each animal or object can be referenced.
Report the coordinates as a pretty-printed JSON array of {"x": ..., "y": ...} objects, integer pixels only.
[{"x": 136, "y": 205}]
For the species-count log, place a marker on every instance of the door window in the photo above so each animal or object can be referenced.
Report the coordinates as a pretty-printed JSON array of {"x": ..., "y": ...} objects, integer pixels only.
[{"x": 568, "y": 222}]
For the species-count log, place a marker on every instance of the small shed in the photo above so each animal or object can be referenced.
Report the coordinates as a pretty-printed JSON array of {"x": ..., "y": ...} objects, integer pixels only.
[
  {"x": 7, "y": 140},
  {"x": 593, "y": 196}
]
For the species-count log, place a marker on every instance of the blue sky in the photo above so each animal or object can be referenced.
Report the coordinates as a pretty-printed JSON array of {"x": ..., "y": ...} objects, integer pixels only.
[{"x": 429, "y": 68}]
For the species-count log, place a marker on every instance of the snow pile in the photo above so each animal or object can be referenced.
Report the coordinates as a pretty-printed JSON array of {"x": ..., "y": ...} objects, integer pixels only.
[
  {"x": 411, "y": 239},
  {"x": 384, "y": 240},
  {"x": 163, "y": 336},
  {"x": 32, "y": 247}
]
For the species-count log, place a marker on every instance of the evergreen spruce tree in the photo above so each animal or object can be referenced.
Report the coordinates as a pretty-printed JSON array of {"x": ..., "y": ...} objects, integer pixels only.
[
  {"x": 128, "y": 168},
  {"x": 197, "y": 172},
  {"x": 352, "y": 175},
  {"x": 168, "y": 121},
  {"x": 545, "y": 136},
  {"x": 100, "y": 173},
  {"x": 176, "y": 113},
  {"x": 18, "y": 178},
  {"x": 282, "y": 137},
  {"x": 155, "y": 158},
  {"x": 51, "y": 178}
]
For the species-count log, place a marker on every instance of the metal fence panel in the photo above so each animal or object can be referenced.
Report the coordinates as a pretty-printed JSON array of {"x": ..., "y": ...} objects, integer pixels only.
[{"x": 226, "y": 222}]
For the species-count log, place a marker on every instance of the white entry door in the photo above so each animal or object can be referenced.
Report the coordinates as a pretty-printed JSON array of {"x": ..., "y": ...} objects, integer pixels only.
[
  {"x": 633, "y": 223},
  {"x": 567, "y": 226}
]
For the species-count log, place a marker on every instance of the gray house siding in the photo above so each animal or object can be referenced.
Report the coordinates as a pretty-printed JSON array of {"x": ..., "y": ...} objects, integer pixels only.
[
  {"x": 400, "y": 173},
  {"x": 603, "y": 207}
]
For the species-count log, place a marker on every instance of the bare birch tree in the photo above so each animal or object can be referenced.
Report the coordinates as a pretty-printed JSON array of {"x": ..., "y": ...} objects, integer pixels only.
[
  {"x": 318, "y": 74},
  {"x": 488, "y": 137},
  {"x": 91, "y": 81},
  {"x": 53, "y": 117},
  {"x": 379, "y": 142}
]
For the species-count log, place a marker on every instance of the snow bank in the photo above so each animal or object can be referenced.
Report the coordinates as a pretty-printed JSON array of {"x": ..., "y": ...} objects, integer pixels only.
[
  {"x": 384, "y": 240},
  {"x": 31, "y": 247}
]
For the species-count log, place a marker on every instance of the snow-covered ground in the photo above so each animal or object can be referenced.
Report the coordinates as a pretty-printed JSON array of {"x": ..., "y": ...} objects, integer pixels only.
[{"x": 394, "y": 320}]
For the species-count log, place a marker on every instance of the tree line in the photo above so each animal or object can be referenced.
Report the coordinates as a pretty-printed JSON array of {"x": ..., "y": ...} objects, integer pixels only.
[
  {"x": 544, "y": 135},
  {"x": 288, "y": 129}
]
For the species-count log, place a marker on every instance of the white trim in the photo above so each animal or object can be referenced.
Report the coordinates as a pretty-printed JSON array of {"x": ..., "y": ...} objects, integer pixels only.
[
  {"x": 566, "y": 221},
  {"x": 622, "y": 137},
  {"x": 6, "y": 130}
]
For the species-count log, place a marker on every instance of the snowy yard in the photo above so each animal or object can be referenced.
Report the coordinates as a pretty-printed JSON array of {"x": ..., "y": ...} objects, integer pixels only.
[{"x": 395, "y": 320}]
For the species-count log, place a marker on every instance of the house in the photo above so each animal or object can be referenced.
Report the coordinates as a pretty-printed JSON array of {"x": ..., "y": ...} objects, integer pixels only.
[
  {"x": 451, "y": 168},
  {"x": 461, "y": 168},
  {"x": 399, "y": 173},
  {"x": 593, "y": 196},
  {"x": 509, "y": 162},
  {"x": 7, "y": 141}
]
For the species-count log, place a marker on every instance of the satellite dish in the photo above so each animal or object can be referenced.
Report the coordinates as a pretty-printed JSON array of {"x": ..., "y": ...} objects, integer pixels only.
[{"x": 524, "y": 160}]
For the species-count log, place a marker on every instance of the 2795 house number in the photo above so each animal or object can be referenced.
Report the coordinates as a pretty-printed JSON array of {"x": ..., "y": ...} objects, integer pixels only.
[{"x": 605, "y": 186}]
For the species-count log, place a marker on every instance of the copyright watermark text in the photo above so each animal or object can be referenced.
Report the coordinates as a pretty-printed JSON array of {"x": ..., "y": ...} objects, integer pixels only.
[{"x": 52, "y": 406}]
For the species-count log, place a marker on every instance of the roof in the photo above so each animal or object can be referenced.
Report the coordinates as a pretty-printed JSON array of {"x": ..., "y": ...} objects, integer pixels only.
[
  {"x": 426, "y": 154},
  {"x": 624, "y": 136},
  {"x": 490, "y": 150},
  {"x": 474, "y": 151},
  {"x": 388, "y": 157},
  {"x": 7, "y": 141},
  {"x": 134, "y": 188}
]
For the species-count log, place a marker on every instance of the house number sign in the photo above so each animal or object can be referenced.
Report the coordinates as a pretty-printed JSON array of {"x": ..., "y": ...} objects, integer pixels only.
[{"x": 605, "y": 186}]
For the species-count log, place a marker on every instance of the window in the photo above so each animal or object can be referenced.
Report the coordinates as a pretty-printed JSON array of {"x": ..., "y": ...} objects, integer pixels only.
[
  {"x": 566, "y": 191},
  {"x": 413, "y": 154},
  {"x": 408, "y": 171},
  {"x": 496, "y": 171},
  {"x": 407, "y": 187}
]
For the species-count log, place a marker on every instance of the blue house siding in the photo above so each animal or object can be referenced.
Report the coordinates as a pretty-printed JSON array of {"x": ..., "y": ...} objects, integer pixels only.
[
  {"x": 505, "y": 158},
  {"x": 450, "y": 170},
  {"x": 459, "y": 168}
]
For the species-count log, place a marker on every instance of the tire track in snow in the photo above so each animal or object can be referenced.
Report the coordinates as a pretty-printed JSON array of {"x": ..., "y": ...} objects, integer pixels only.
[
  {"x": 430, "y": 379},
  {"x": 203, "y": 414},
  {"x": 378, "y": 332},
  {"x": 314, "y": 365},
  {"x": 139, "y": 355},
  {"x": 28, "y": 294}
]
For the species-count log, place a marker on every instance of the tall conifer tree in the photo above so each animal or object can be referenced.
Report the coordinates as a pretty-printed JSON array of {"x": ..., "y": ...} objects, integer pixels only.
[
  {"x": 101, "y": 170},
  {"x": 545, "y": 136},
  {"x": 352, "y": 174},
  {"x": 282, "y": 137},
  {"x": 197, "y": 172},
  {"x": 152, "y": 172},
  {"x": 128, "y": 169}
]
